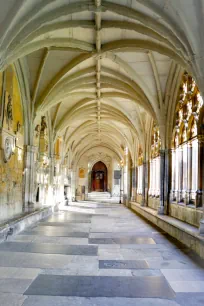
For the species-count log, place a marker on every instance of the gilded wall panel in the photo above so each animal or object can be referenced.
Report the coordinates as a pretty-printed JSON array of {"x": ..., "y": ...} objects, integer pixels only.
[{"x": 11, "y": 165}]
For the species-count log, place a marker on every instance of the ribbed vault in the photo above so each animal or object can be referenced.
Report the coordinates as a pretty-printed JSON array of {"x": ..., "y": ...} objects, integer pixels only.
[{"x": 102, "y": 71}]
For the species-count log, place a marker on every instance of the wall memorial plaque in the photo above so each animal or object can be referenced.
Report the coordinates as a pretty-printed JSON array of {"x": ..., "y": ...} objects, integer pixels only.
[{"x": 117, "y": 174}]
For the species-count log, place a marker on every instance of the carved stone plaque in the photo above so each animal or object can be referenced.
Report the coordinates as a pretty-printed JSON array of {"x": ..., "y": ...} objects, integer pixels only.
[
  {"x": 7, "y": 148},
  {"x": 7, "y": 143}
]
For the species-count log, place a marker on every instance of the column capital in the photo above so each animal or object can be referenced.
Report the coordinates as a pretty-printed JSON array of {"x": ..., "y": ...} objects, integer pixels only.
[
  {"x": 201, "y": 139},
  {"x": 161, "y": 210},
  {"x": 52, "y": 157},
  {"x": 162, "y": 152},
  {"x": 189, "y": 144},
  {"x": 165, "y": 151},
  {"x": 30, "y": 149}
]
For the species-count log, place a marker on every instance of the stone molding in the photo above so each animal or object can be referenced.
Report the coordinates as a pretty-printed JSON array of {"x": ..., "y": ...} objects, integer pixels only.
[{"x": 100, "y": 156}]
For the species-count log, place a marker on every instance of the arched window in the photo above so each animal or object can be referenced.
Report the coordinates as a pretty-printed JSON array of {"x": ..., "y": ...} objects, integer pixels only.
[
  {"x": 154, "y": 188},
  {"x": 140, "y": 171},
  {"x": 185, "y": 144}
]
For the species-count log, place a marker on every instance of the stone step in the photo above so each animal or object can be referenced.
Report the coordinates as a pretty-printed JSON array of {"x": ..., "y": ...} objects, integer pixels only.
[
  {"x": 103, "y": 197},
  {"x": 99, "y": 195}
]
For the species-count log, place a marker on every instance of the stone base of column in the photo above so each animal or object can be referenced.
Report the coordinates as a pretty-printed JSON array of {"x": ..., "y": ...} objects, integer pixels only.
[
  {"x": 199, "y": 197},
  {"x": 187, "y": 198},
  {"x": 29, "y": 207},
  {"x": 143, "y": 203},
  {"x": 201, "y": 228},
  {"x": 125, "y": 200},
  {"x": 161, "y": 210}
]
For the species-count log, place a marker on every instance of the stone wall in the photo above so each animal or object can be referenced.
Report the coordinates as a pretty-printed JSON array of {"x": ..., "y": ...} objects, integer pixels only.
[
  {"x": 186, "y": 214},
  {"x": 11, "y": 188},
  {"x": 153, "y": 202},
  {"x": 139, "y": 198},
  {"x": 11, "y": 168}
]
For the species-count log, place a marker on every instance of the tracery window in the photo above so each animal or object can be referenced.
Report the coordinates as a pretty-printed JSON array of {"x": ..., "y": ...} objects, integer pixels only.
[
  {"x": 185, "y": 144},
  {"x": 154, "y": 188},
  {"x": 140, "y": 171}
]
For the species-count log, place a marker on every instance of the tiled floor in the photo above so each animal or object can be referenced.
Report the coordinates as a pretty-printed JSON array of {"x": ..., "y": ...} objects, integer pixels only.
[{"x": 98, "y": 255}]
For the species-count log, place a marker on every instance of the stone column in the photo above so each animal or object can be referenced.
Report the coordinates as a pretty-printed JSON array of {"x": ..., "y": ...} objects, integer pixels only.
[
  {"x": 136, "y": 182},
  {"x": 127, "y": 177},
  {"x": 151, "y": 178},
  {"x": 69, "y": 191},
  {"x": 162, "y": 182},
  {"x": 132, "y": 192},
  {"x": 180, "y": 199},
  {"x": 199, "y": 195},
  {"x": 185, "y": 172},
  {"x": 129, "y": 180},
  {"x": 29, "y": 178},
  {"x": 145, "y": 183},
  {"x": 51, "y": 169},
  {"x": 73, "y": 185},
  {"x": 134, "y": 185},
  {"x": 53, "y": 187},
  {"x": 201, "y": 179},
  {"x": 165, "y": 180},
  {"x": 189, "y": 169},
  {"x": 173, "y": 166}
]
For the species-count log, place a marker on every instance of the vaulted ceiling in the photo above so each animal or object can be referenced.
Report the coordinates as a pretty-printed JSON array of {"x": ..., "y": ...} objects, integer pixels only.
[{"x": 102, "y": 70}]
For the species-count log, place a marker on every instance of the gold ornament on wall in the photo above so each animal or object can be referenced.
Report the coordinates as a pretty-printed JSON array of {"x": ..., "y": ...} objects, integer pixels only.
[
  {"x": 37, "y": 131},
  {"x": 19, "y": 127},
  {"x": 156, "y": 142},
  {"x": 9, "y": 111},
  {"x": 188, "y": 108},
  {"x": 81, "y": 173},
  {"x": 43, "y": 129}
]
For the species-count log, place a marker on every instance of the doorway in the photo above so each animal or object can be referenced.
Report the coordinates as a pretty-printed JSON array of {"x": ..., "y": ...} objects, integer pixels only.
[{"x": 99, "y": 177}]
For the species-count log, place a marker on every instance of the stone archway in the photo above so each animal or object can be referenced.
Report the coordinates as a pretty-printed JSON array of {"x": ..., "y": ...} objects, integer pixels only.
[{"x": 99, "y": 177}]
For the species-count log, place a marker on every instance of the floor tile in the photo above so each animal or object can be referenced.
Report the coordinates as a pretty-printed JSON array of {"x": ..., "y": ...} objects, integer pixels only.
[
  {"x": 182, "y": 274},
  {"x": 21, "y": 273},
  {"x": 57, "y": 233},
  {"x": 42, "y": 261},
  {"x": 61, "y": 240},
  {"x": 13, "y": 246},
  {"x": 171, "y": 264},
  {"x": 14, "y": 285},
  {"x": 48, "y": 248},
  {"x": 91, "y": 286},
  {"x": 80, "y": 301},
  {"x": 123, "y": 264},
  {"x": 12, "y": 299},
  {"x": 124, "y": 240},
  {"x": 190, "y": 299},
  {"x": 115, "y": 253},
  {"x": 64, "y": 227},
  {"x": 187, "y": 286},
  {"x": 146, "y": 272}
]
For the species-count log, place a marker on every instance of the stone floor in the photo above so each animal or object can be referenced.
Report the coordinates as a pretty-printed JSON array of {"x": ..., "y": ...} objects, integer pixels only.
[{"x": 98, "y": 255}]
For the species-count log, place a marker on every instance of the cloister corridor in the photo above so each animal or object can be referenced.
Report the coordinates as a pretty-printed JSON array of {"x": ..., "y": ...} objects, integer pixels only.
[
  {"x": 95, "y": 255},
  {"x": 101, "y": 152}
]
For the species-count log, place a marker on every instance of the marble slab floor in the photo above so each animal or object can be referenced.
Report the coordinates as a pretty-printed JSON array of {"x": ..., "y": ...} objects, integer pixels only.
[{"x": 98, "y": 255}]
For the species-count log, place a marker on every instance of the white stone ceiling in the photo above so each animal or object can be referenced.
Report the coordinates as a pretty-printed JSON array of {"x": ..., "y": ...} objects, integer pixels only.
[{"x": 102, "y": 70}]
